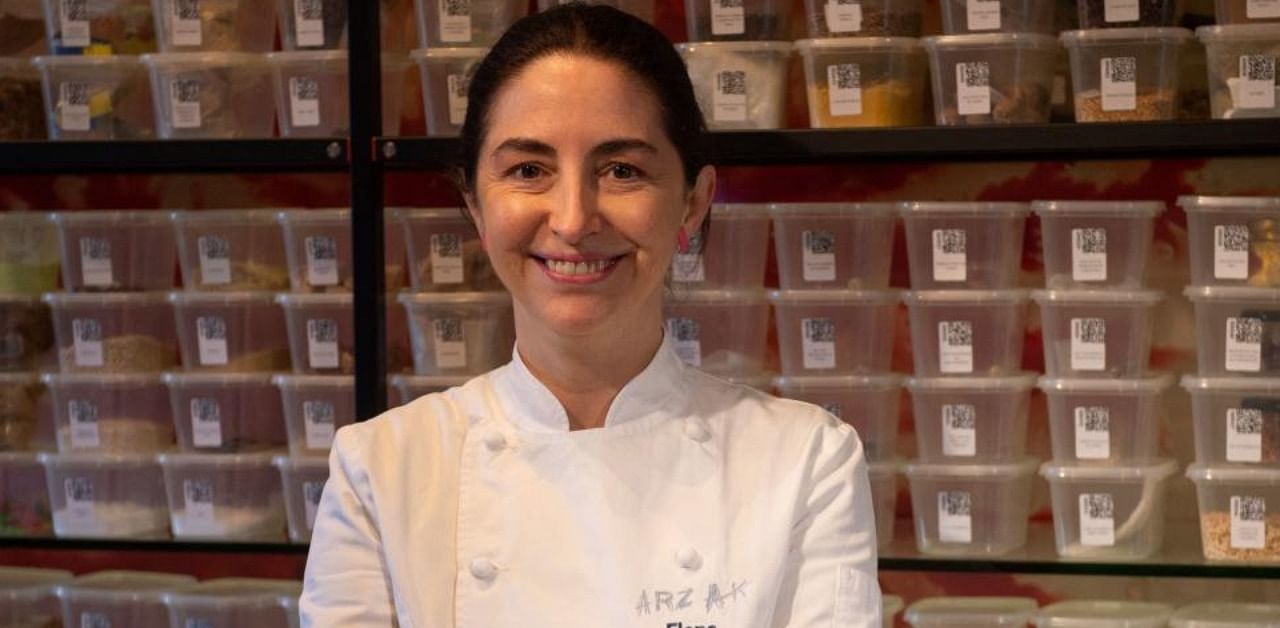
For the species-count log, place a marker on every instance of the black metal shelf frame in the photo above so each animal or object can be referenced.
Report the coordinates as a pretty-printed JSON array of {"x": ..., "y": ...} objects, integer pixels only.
[{"x": 168, "y": 156}]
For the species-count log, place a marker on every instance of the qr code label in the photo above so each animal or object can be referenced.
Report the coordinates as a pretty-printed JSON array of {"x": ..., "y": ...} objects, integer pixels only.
[
  {"x": 818, "y": 255},
  {"x": 206, "y": 422},
  {"x": 959, "y": 430},
  {"x": 728, "y": 17},
  {"x": 1093, "y": 432},
  {"x": 458, "y": 84},
  {"x": 455, "y": 21},
  {"x": 1088, "y": 344},
  {"x": 950, "y": 259},
  {"x": 74, "y": 113},
  {"x": 983, "y": 15},
  {"x": 973, "y": 88},
  {"x": 95, "y": 262},
  {"x": 215, "y": 260},
  {"x": 322, "y": 260},
  {"x": 1097, "y": 520},
  {"x": 86, "y": 337},
  {"x": 198, "y": 499},
  {"x": 450, "y": 343},
  {"x": 955, "y": 346},
  {"x": 1244, "y": 435},
  {"x": 1116, "y": 11},
  {"x": 818, "y": 343},
  {"x": 1089, "y": 254},
  {"x": 684, "y": 333},
  {"x": 843, "y": 16},
  {"x": 185, "y": 23},
  {"x": 729, "y": 100},
  {"x": 308, "y": 20},
  {"x": 689, "y": 265},
  {"x": 322, "y": 343},
  {"x": 198, "y": 622},
  {"x": 446, "y": 259},
  {"x": 304, "y": 102},
  {"x": 1262, "y": 9},
  {"x": 1244, "y": 344},
  {"x": 94, "y": 620},
  {"x": 1231, "y": 252},
  {"x": 79, "y": 493},
  {"x": 1248, "y": 522},
  {"x": 1256, "y": 88},
  {"x": 211, "y": 340},
  {"x": 955, "y": 520},
  {"x": 844, "y": 89},
  {"x": 320, "y": 423},
  {"x": 83, "y": 417},
  {"x": 1119, "y": 83},
  {"x": 74, "y": 18},
  {"x": 184, "y": 101},
  {"x": 311, "y": 494}
]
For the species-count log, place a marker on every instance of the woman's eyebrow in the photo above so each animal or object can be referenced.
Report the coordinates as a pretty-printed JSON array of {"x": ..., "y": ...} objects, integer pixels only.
[
  {"x": 526, "y": 145},
  {"x": 613, "y": 147}
]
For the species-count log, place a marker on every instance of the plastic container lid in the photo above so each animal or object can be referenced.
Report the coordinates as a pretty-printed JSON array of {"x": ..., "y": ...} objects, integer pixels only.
[
  {"x": 1142, "y": 297},
  {"x": 204, "y": 59},
  {"x": 17, "y": 64},
  {"x": 85, "y": 60},
  {"x": 991, "y": 40},
  {"x": 284, "y": 380},
  {"x": 234, "y": 592},
  {"x": 105, "y": 380},
  {"x": 138, "y": 586},
  {"x": 1233, "y": 475},
  {"x": 1229, "y": 203},
  {"x": 85, "y": 458},
  {"x": 230, "y": 380},
  {"x": 429, "y": 381},
  {"x": 292, "y": 299},
  {"x": 428, "y": 213},
  {"x": 839, "y": 44},
  {"x": 1226, "y": 615},
  {"x": 221, "y": 298},
  {"x": 740, "y": 210},
  {"x": 18, "y": 584},
  {"x": 913, "y": 297},
  {"x": 840, "y": 383},
  {"x": 1233, "y": 293},
  {"x": 104, "y": 298},
  {"x": 737, "y": 46},
  {"x": 18, "y": 458},
  {"x": 453, "y": 298},
  {"x": 1156, "y": 470},
  {"x": 1239, "y": 32},
  {"x": 971, "y": 471},
  {"x": 785, "y": 210},
  {"x": 977, "y": 611},
  {"x": 20, "y": 299},
  {"x": 719, "y": 296},
  {"x": 309, "y": 463},
  {"x": 977, "y": 209},
  {"x": 1125, "y": 35},
  {"x": 1011, "y": 383},
  {"x": 447, "y": 53},
  {"x": 19, "y": 379},
  {"x": 1103, "y": 614},
  {"x": 824, "y": 297},
  {"x": 331, "y": 215},
  {"x": 1150, "y": 384},
  {"x": 219, "y": 461},
  {"x": 884, "y": 467},
  {"x": 217, "y": 216},
  {"x": 1246, "y": 385},
  {"x": 307, "y": 56},
  {"x": 890, "y": 605},
  {"x": 1099, "y": 208},
  {"x": 137, "y": 217}
]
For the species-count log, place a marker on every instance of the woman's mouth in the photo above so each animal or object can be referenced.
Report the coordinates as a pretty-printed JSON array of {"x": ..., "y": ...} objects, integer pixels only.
[{"x": 578, "y": 271}]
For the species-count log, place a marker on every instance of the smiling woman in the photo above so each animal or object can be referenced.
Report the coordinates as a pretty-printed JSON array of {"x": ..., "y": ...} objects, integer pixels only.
[{"x": 594, "y": 480}]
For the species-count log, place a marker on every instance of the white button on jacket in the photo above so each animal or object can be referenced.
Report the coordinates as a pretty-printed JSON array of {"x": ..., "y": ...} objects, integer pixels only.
[{"x": 699, "y": 503}]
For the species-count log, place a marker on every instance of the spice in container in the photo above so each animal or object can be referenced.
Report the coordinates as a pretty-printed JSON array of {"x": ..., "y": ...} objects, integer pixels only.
[
  {"x": 739, "y": 85},
  {"x": 1126, "y": 74},
  {"x": 1242, "y": 61},
  {"x": 1127, "y": 13},
  {"x": 1003, "y": 78},
  {"x": 865, "y": 18},
  {"x": 21, "y": 101},
  {"x": 864, "y": 81},
  {"x": 20, "y": 398}
]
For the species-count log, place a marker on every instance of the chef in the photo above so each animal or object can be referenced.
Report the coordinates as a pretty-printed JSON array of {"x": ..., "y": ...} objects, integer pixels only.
[{"x": 595, "y": 481}]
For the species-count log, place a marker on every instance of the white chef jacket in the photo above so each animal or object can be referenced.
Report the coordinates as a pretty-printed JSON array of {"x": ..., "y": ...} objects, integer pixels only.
[{"x": 699, "y": 503}]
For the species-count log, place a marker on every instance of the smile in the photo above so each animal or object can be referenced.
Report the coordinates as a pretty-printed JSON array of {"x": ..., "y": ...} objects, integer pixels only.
[{"x": 581, "y": 271}]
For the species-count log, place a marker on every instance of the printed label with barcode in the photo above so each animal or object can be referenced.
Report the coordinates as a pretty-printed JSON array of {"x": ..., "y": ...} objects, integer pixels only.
[
  {"x": 206, "y": 422},
  {"x": 1097, "y": 520},
  {"x": 844, "y": 89},
  {"x": 84, "y": 424},
  {"x": 322, "y": 343},
  {"x": 184, "y": 99},
  {"x": 1119, "y": 83},
  {"x": 843, "y": 16},
  {"x": 322, "y": 260},
  {"x": 1088, "y": 344},
  {"x": 215, "y": 260},
  {"x": 455, "y": 21},
  {"x": 728, "y": 17},
  {"x": 689, "y": 266},
  {"x": 185, "y": 23},
  {"x": 73, "y": 107},
  {"x": 198, "y": 500},
  {"x": 955, "y": 346},
  {"x": 86, "y": 338},
  {"x": 211, "y": 340},
  {"x": 1244, "y": 435},
  {"x": 446, "y": 258},
  {"x": 95, "y": 261},
  {"x": 1120, "y": 11},
  {"x": 818, "y": 255},
  {"x": 94, "y": 620},
  {"x": 79, "y": 494},
  {"x": 198, "y": 622},
  {"x": 1262, "y": 9},
  {"x": 73, "y": 17},
  {"x": 304, "y": 101},
  {"x": 684, "y": 333},
  {"x": 450, "y": 343},
  {"x": 1257, "y": 85},
  {"x": 950, "y": 263},
  {"x": 1231, "y": 252},
  {"x": 1248, "y": 522},
  {"x": 311, "y": 494},
  {"x": 959, "y": 430},
  {"x": 457, "y": 91},
  {"x": 1244, "y": 344},
  {"x": 973, "y": 88},
  {"x": 818, "y": 343},
  {"x": 319, "y": 422},
  {"x": 955, "y": 520},
  {"x": 983, "y": 15},
  {"x": 1089, "y": 254},
  {"x": 308, "y": 20},
  {"x": 1093, "y": 432},
  {"x": 729, "y": 100}
]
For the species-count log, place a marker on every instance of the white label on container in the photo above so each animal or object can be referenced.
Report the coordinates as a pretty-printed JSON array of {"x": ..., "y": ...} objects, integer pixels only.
[
  {"x": 1262, "y": 9},
  {"x": 450, "y": 343},
  {"x": 73, "y": 107},
  {"x": 684, "y": 334},
  {"x": 1248, "y": 522},
  {"x": 322, "y": 343},
  {"x": 185, "y": 23},
  {"x": 818, "y": 255},
  {"x": 959, "y": 430},
  {"x": 322, "y": 260},
  {"x": 818, "y": 343},
  {"x": 973, "y": 88},
  {"x": 1097, "y": 520},
  {"x": 446, "y": 258},
  {"x": 211, "y": 340},
  {"x": 94, "y": 620},
  {"x": 1088, "y": 344},
  {"x": 1244, "y": 435},
  {"x": 95, "y": 262},
  {"x": 728, "y": 17},
  {"x": 457, "y": 89},
  {"x": 308, "y": 19},
  {"x": 1093, "y": 432},
  {"x": 844, "y": 16},
  {"x": 304, "y": 101},
  {"x": 319, "y": 424},
  {"x": 198, "y": 500},
  {"x": 74, "y": 18},
  {"x": 79, "y": 493},
  {"x": 955, "y": 347},
  {"x": 689, "y": 266},
  {"x": 1231, "y": 252},
  {"x": 729, "y": 100},
  {"x": 215, "y": 260},
  {"x": 1257, "y": 87},
  {"x": 84, "y": 424},
  {"x": 844, "y": 89},
  {"x": 950, "y": 263},
  {"x": 983, "y": 15},
  {"x": 1120, "y": 11},
  {"x": 455, "y": 21},
  {"x": 1089, "y": 254},
  {"x": 1244, "y": 344},
  {"x": 311, "y": 493},
  {"x": 86, "y": 337},
  {"x": 1119, "y": 83},
  {"x": 206, "y": 422},
  {"x": 184, "y": 100},
  {"x": 955, "y": 521}
]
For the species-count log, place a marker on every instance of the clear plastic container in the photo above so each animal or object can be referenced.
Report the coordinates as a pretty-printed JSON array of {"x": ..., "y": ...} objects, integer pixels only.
[
  {"x": 211, "y": 95},
  {"x": 120, "y": 598},
  {"x": 1103, "y": 614},
  {"x": 833, "y": 245},
  {"x": 964, "y": 245},
  {"x": 318, "y": 243},
  {"x": 890, "y": 606},
  {"x": 733, "y": 253},
  {"x": 410, "y": 387},
  {"x": 231, "y": 249},
  {"x": 971, "y": 612},
  {"x": 445, "y": 254},
  {"x": 115, "y": 251},
  {"x": 961, "y": 17},
  {"x": 291, "y": 611},
  {"x": 24, "y": 506},
  {"x": 96, "y": 98},
  {"x": 215, "y": 25},
  {"x": 446, "y": 75},
  {"x": 238, "y": 332},
  {"x": 749, "y": 20},
  {"x": 1096, "y": 333},
  {"x": 459, "y": 333},
  {"x": 1111, "y": 14},
  {"x": 1233, "y": 240},
  {"x": 113, "y": 333},
  {"x": 1241, "y": 60},
  {"x": 105, "y": 27},
  {"x": 971, "y": 510},
  {"x": 967, "y": 332},
  {"x": 740, "y": 85},
  {"x": 28, "y": 252},
  {"x": 303, "y": 480},
  {"x": 874, "y": 18},
  {"x": 864, "y": 81},
  {"x": 106, "y": 496},
  {"x": 1105, "y": 421},
  {"x": 971, "y": 420},
  {"x": 1237, "y": 420},
  {"x": 1232, "y": 12},
  {"x": 1239, "y": 512},
  {"x": 1226, "y": 615},
  {"x": 828, "y": 332},
  {"x": 315, "y": 406},
  {"x": 1237, "y": 330},
  {"x": 111, "y": 414},
  {"x": 24, "y": 98},
  {"x": 313, "y": 26},
  {"x": 1096, "y": 244},
  {"x": 1126, "y": 74},
  {"x": 226, "y": 412},
  {"x": 28, "y": 596},
  {"x": 884, "y": 496},
  {"x": 312, "y": 92},
  {"x": 720, "y": 331},
  {"x": 26, "y": 333},
  {"x": 322, "y": 335},
  {"x": 1002, "y": 78},
  {"x": 1109, "y": 513},
  {"x": 224, "y": 496},
  {"x": 868, "y": 403},
  {"x": 478, "y": 23},
  {"x": 26, "y": 415},
  {"x": 232, "y": 603}
]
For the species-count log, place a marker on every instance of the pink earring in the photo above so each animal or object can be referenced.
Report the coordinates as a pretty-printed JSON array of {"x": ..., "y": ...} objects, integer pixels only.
[{"x": 682, "y": 239}]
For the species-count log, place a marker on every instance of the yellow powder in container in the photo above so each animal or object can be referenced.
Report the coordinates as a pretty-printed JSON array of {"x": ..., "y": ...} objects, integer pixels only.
[{"x": 884, "y": 104}]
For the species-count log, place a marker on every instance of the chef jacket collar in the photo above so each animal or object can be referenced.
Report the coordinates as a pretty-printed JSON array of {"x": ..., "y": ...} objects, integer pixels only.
[{"x": 528, "y": 404}]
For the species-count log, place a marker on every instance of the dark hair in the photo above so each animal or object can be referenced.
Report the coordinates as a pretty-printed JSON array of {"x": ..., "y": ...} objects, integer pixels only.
[{"x": 604, "y": 33}]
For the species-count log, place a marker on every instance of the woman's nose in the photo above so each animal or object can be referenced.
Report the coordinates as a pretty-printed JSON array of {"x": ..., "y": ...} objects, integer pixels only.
[{"x": 574, "y": 213}]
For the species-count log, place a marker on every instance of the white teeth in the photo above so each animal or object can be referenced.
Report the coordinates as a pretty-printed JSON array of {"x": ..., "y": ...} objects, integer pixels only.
[{"x": 578, "y": 268}]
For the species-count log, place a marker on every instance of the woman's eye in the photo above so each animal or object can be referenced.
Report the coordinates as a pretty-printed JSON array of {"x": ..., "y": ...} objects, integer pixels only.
[
  {"x": 527, "y": 171},
  {"x": 623, "y": 171}
]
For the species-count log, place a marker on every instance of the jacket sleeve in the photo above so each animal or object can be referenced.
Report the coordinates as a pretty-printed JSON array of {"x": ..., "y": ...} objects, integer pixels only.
[
  {"x": 831, "y": 569},
  {"x": 346, "y": 583}
]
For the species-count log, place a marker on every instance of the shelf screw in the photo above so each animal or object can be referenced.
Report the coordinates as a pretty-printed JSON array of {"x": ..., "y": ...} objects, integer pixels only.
[
  {"x": 389, "y": 150},
  {"x": 333, "y": 150}
]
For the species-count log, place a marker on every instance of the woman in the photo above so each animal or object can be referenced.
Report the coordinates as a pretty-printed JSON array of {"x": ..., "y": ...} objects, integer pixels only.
[{"x": 594, "y": 480}]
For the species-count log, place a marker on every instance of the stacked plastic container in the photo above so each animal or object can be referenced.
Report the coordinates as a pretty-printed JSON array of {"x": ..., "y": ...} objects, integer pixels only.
[
  {"x": 28, "y": 596},
  {"x": 1104, "y": 406},
  {"x": 233, "y": 602},
  {"x": 836, "y": 318},
  {"x": 120, "y": 598},
  {"x": 1235, "y": 245},
  {"x": 974, "y": 611},
  {"x": 737, "y": 56},
  {"x": 971, "y": 485}
]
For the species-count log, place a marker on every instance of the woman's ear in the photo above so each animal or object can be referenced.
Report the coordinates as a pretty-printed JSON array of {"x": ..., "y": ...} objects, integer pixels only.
[
  {"x": 473, "y": 210},
  {"x": 698, "y": 202}
]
